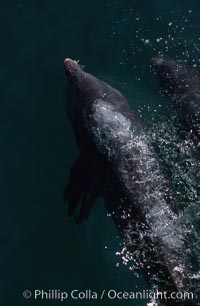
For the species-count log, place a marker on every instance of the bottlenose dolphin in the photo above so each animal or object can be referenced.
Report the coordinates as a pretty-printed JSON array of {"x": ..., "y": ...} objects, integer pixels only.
[
  {"x": 181, "y": 85},
  {"x": 117, "y": 162}
]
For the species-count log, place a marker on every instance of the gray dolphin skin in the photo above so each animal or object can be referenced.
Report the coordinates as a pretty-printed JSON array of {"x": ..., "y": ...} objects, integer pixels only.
[
  {"x": 181, "y": 85},
  {"x": 118, "y": 163}
]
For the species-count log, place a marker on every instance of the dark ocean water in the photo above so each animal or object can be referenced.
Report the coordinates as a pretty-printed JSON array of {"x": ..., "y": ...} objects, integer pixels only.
[{"x": 41, "y": 248}]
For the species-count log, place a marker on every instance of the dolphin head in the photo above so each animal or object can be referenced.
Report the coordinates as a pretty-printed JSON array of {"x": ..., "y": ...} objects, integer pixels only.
[
  {"x": 84, "y": 90},
  {"x": 72, "y": 68},
  {"x": 174, "y": 77}
]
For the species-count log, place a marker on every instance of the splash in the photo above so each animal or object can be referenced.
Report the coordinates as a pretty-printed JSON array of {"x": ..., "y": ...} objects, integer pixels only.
[{"x": 180, "y": 162}]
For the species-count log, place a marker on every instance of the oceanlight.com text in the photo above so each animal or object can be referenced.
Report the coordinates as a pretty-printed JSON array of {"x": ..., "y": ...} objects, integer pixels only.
[{"x": 88, "y": 294}]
